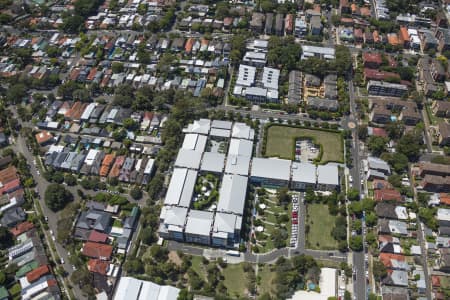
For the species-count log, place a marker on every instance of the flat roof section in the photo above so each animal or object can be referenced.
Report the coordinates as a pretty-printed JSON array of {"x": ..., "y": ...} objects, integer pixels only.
[
  {"x": 237, "y": 164},
  {"x": 240, "y": 147},
  {"x": 328, "y": 174},
  {"x": 181, "y": 187},
  {"x": 199, "y": 222},
  {"x": 304, "y": 172},
  {"x": 272, "y": 168},
  {"x": 188, "y": 159},
  {"x": 218, "y": 132},
  {"x": 221, "y": 124},
  {"x": 232, "y": 194},
  {"x": 213, "y": 162},
  {"x": 226, "y": 223},
  {"x": 193, "y": 141},
  {"x": 242, "y": 131}
]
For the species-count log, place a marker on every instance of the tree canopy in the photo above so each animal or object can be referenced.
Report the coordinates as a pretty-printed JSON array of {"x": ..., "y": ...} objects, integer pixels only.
[{"x": 56, "y": 196}]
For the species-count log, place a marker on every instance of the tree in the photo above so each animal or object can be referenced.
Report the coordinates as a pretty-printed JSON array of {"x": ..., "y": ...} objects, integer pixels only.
[
  {"x": 70, "y": 180},
  {"x": 343, "y": 60},
  {"x": 377, "y": 145},
  {"x": 16, "y": 93},
  {"x": 56, "y": 196},
  {"x": 353, "y": 194},
  {"x": 356, "y": 243},
  {"x": 6, "y": 238},
  {"x": 73, "y": 24},
  {"x": 136, "y": 193},
  {"x": 117, "y": 67},
  {"x": 362, "y": 132},
  {"x": 410, "y": 145},
  {"x": 283, "y": 197},
  {"x": 379, "y": 270},
  {"x": 185, "y": 295},
  {"x": 155, "y": 186},
  {"x": 395, "y": 130}
]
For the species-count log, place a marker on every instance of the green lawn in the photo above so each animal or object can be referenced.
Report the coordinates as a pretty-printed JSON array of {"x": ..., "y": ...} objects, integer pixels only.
[
  {"x": 266, "y": 241},
  {"x": 445, "y": 282},
  {"x": 235, "y": 279},
  {"x": 281, "y": 139},
  {"x": 198, "y": 267},
  {"x": 321, "y": 223},
  {"x": 267, "y": 277}
]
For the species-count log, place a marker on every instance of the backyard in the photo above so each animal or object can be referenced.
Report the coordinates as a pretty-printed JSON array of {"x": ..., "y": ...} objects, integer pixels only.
[
  {"x": 281, "y": 139},
  {"x": 319, "y": 224}
]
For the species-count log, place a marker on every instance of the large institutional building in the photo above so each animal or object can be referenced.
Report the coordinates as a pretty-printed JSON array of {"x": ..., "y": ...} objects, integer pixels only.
[{"x": 221, "y": 225}]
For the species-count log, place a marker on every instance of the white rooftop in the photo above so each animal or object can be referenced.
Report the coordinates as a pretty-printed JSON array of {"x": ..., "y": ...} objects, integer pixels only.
[
  {"x": 181, "y": 187},
  {"x": 328, "y": 174},
  {"x": 240, "y": 147},
  {"x": 303, "y": 172},
  {"x": 242, "y": 131},
  {"x": 188, "y": 159},
  {"x": 273, "y": 168},
  {"x": 199, "y": 222},
  {"x": 193, "y": 141},
  {"x": 232, "y": 194},
  {"x": 213, "y": 162}
]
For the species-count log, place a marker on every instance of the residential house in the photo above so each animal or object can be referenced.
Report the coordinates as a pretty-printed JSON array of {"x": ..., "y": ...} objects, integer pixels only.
[
  {"x": 279, "y": 24},
  {"x": 44, "y": 138},
  {"x": 315, "y": 25},
  {"x": 444, "y": 134},
  {"x": 387, "y": 195},
  {"x": 441, "y": 108},
  {"x": 97, "y": 250},
  {"x": 256, "y": 23}
]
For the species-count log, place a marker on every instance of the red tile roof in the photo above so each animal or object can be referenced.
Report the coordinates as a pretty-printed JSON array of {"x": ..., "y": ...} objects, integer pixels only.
[
  {"x": 37, "y": 273},
  {"x": 374, "y": 58},
  {"x": 10, "y": 186},
  {"x": 387, "y": 195},
  {"x": 21, "y": 228},
  {"x": 386, "y": 258},
  {"x": 403, "y": 34},
  {"x": 98, "y": 266},
  {"x": 379, "y": 132},
  {"x": 97, "y": 250},
  {"x": 7, "y": 175},
  {"x": 43, "y": 137},
  {"x": 444, "y": 198},
  {"x": 97, "y": 237},
  {"x": 371, "y": 74},
  {"x": 435, "y": 281}
]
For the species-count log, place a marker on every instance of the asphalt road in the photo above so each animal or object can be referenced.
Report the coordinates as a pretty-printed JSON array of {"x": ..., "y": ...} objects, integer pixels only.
[
  {"x": 41, "y": 185},
  {"x": 359, "y": 285}
]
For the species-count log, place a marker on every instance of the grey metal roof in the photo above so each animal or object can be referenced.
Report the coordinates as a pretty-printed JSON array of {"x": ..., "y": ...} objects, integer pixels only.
[
  {"x": 232, "y": 194},
  {"x": 303, "y": 172},
  {"x": 218, "y": 132},
  {"x": 199, "y": 222},
  {"x": 272, "y": 168},
  {"x": 213, "y": 162},
  {"x": 188, "y": 159},
  {"x": 221, "y": 124},
  {"x": 237, "y": 164},
  {"x": 226, "y": 223},
  {"x": 242, "y": 131},
  {"x": 328, "y": 174},
  {"x": 193, "y": 141},
  {"x": 174, "y": 215},
  {"x": 240, "y": 147},
  {"x": 181, "y": 187}
]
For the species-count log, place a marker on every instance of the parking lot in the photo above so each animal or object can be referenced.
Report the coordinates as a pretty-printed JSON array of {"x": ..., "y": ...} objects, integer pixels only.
[
  {"x": 305, "y": 150},
  {"x": 295, "y": 218}
]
